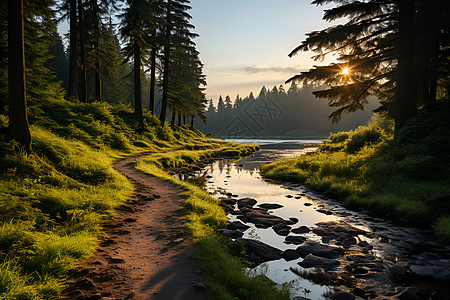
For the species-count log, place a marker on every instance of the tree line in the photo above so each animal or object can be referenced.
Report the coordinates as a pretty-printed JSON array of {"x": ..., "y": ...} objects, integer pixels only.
[
  {"x": 151, "y": 52},
  {"x": 396, "y": 50},
  {"x": 276, "y": 112}
]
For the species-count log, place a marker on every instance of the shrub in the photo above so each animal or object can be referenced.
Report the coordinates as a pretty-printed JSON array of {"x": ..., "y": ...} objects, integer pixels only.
[{"x": 363, "y": 136}]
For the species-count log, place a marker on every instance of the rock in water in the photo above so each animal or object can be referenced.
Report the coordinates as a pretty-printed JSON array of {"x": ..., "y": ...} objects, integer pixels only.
[
  {"x": 320, "y": 250},
  {"x": 261, "y": 252},
  {"x": 301, "y": 229},
  {"x": 312, "y": 261},
  {"x": 246, "y": 202},
  {"x": 437, "y": 272},
  {"x": 270, "y": 205}
]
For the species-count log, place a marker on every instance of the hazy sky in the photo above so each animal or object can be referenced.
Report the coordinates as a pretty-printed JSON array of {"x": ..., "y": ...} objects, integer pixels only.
[{"x": 244, "y": 43}]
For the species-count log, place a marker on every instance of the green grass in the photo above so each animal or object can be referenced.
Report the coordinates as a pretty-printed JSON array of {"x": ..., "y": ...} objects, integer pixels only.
[
  {"x": 54, "y": 201},
  {"x": 226, "y": 276},
  {"x": 405, "y": 179}
]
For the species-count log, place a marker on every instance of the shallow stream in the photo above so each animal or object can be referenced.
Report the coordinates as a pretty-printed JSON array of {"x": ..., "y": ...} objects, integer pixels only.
[{"x": 390, "y": 245}]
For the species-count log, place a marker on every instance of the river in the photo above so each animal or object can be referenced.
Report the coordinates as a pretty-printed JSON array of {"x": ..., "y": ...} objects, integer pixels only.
[{"x": 376, "y": 255}]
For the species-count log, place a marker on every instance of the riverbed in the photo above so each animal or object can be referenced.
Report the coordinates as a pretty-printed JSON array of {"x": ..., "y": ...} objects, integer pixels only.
[{"x": 387, "y": 254}]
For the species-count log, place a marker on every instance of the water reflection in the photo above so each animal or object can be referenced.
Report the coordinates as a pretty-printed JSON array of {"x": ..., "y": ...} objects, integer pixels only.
[{"x": 242, "y": 179}]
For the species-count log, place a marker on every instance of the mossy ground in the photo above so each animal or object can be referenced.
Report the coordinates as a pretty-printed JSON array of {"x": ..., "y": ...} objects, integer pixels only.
[
  {"x": 405, "y": 179},
  {"x": 54, "y": 200}
]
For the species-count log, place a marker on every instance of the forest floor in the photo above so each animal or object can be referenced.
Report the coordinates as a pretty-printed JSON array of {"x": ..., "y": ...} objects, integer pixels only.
[{"x": 146, "y": 252}]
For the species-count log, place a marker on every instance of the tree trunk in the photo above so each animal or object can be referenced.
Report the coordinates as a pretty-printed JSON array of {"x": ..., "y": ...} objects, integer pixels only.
[
  {"x": 184, "y": 119},
  {"x": 434, "y": 66},
  {"x": 172, "y": 122},
  {"x": 98, "y": 78},
  {"x": 192, "y": 122},
  {"x": 83, "y": 92},
  {"x": 73, "y": 52},
  {"x": 18, "y": 119},
  {"x": 179, "y": 119},
  {"x": 162, "y": 116},
  {"x": 406, "y": 91},
  {"x": 137, "y": 86},
  {"x": 151, "y": 107}
]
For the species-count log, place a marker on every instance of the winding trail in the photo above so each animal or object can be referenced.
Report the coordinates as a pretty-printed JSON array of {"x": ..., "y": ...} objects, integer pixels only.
[{"x": 146, "y": 253}]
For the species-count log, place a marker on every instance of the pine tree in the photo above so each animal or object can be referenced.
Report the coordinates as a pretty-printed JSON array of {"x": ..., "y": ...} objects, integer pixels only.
[
  {"x": 220, "y": 105},
  {"x": 59, "y": 63},
  {"x": 183, "y": 78},
  {"x": 40, "y": 33},
  {"x": 138, "y": 21},
  {"x": 228, "y": 104},
  {"x": 73, "y": 50},
  {"x": 377, "y": 56}
]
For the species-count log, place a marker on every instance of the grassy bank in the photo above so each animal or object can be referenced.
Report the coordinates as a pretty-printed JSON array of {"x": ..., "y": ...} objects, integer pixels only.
[
  {"x": 54, "y": 200},
  {"x": 406, "y": 178},
  {"x": 225, "y": 272}
]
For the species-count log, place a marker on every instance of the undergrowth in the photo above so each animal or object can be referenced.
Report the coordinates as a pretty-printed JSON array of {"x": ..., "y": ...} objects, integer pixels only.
[{"x": 405, "y": 179}]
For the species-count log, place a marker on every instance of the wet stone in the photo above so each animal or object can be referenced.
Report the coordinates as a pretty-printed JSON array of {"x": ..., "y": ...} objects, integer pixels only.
[
  {"x": 312, "y": 261},
  {"x": 261, "y": 252},
  {"x": 293, "y": 220},
  {"x": 236, "y": 225},
  {"x": 234, "y": 234},
  {"x": 246, "y": 202},
  {"x": 395, "y": 269},
  {"x": 290, "y": 254},
  {"x": 296, "y": 240},
  {"x": 324, "y": 211},
  {"x": 300, "y": 230},
  {"x": 436, "y": 272},
  {"x": 289, "y": 196},
  {"x": 270, "y": 205},
  {"x": 307, "y": 204},
  {"x": 342, "y": 296},
  {"x": 320, "y": 250}
]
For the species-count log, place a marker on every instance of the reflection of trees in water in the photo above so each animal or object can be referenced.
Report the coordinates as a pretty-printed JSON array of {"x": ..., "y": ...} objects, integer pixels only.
[{"x": 220, "y": 165}]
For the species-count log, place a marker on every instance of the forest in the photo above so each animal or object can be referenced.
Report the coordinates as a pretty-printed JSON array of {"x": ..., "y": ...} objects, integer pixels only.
[
  {"x": 108, "y": 141},
  {"x": 276, "y": 113}
]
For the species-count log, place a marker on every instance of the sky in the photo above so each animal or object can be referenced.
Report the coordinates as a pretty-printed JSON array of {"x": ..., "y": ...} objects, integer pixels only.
[{"x": 244, "y": 44}]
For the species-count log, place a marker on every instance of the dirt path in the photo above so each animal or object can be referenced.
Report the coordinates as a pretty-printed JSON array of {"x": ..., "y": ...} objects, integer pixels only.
[{"x": 147, "y": 251}]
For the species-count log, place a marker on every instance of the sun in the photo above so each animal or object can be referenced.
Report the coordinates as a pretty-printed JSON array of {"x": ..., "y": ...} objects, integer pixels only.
[{"x": 345, "y": 71}]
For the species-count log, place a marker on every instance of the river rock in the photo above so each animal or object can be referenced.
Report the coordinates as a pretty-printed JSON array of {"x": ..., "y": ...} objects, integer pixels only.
[
  {"x": 270, "y": 205},
  {"x": 281, "y": 229},
  {"x": 313, "y": 261},
  {"x": 294, "y": 239},
  {"x": 234, "y": 234},
  {"x": 409, "y": 293},
  {"x": 341, "y": 232},
  {"x": 300, "y": 230},
  {"x": 261, "y": 252},
  {"x": 365, "y": 246},
  {"x": 394, "y": 269},
  {"x": 437, "y": 272},
  {"x": 290, "y": 254},
  {"x": 293, "y": 221},
  {"x": 236, "y": 225},
  {"x": 262, "y": 218},
  {"x": 343, "y": 296},
  {"x": 246, "y": 202},
  {"x": 227, "y": 201},
  {"x": 307, "y": 204},
  {"x": 320, "y": 250},
  {"x": 324, "y": 211}
]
